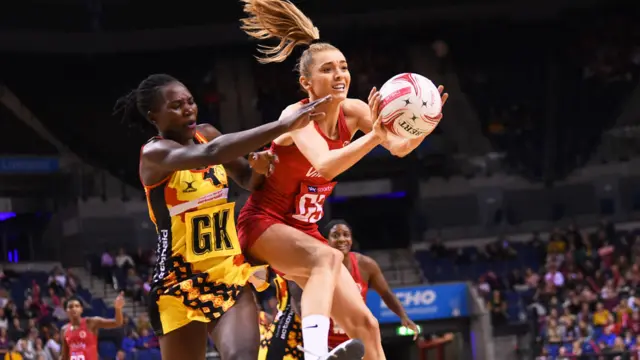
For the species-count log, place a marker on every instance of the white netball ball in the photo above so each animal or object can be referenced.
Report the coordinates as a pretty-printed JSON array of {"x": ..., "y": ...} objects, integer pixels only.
[{"x": 409, "y": 106}]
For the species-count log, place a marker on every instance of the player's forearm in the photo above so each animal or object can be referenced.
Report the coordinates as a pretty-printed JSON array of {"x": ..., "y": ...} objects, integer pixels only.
[
  {"x": 340, "y": 160},
  {"x": 394, "y": 304},
  {"x": 119, "y": 317},
  {"x": 228, "y": 147},
  {"x": 246, "y": 178}
]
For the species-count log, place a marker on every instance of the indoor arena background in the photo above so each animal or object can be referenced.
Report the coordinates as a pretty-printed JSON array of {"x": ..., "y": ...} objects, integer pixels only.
[{"x": 513, "y": 232}]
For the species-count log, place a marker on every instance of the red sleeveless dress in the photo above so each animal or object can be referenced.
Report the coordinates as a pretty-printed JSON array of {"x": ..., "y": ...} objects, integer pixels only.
[
  {"x": 336, "y": 335},
  {"x": 293, "y": 195},
  {"x": 82, "y": 343}
]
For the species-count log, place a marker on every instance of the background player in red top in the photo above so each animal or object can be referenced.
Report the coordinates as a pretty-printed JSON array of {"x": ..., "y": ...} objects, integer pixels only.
[
  {"x": 80, "y": 335},
  {"x": 366, "y": 273},
  {"x": 278, "y": 223}
]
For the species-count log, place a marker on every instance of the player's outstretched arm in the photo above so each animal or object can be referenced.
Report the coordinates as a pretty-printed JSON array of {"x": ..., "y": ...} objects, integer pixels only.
[
  {"x": 248, "y": 173},
  {"x": 168, "y": 155},
  {"x": 97, "y": 322},
  {"x": 331, "y": 163},
  {"x": 378, "y": 283}
]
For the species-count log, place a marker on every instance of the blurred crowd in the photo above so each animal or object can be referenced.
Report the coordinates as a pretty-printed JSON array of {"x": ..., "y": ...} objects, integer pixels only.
[
  {"x": 132, "y": 274},
  {"x": 129, "y": 273},
  {"x": 584, "y": 298},
  {"x": 30, "y": 329}
]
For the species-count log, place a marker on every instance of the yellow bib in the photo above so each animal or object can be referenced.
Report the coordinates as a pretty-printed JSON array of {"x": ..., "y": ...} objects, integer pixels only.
[{"x": 211, "y": 233}]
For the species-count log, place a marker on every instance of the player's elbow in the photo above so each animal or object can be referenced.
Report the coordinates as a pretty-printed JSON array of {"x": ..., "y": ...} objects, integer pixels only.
[
  {"x": 216, "y": 152},
  {"x": 326, "y": 172}
]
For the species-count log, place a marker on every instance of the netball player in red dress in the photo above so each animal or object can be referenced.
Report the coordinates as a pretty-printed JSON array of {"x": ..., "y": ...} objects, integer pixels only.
[
  {"x": 278, "y": 223},
  {"x": 80, "y": 335},
  {"x": 366, "y": 273}
]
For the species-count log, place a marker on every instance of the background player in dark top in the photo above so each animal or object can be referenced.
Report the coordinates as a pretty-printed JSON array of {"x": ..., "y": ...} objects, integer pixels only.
[
  {"x": 80, "y": 335},
  {"x": 169, "y": 106}
]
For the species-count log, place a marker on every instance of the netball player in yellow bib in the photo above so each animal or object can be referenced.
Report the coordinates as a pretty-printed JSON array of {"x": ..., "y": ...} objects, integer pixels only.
[
  {"x": 280, "y": 339},
  {"x": 200, "y": 272}
]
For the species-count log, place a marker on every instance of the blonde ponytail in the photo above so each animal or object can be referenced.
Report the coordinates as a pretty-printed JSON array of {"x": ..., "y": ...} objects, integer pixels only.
[{"x": 278, "y": 19}]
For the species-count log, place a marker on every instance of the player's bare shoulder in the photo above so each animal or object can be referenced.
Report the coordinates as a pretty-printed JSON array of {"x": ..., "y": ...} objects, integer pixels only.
[{"x": 208, "y": 131}]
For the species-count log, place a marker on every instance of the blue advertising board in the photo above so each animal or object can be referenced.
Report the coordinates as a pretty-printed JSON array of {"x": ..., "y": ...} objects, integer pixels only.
[
  {"x": 29, "y": 165},
  {"x": 423, "y": 303}
]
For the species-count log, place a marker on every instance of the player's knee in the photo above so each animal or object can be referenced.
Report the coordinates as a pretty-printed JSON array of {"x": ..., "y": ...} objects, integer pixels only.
[
  {"x": 370, "y": 324},
  {"x": 329, "y": 257},
  {"x": 367, "y": 324},
  {"x": 242, "y": 353}
]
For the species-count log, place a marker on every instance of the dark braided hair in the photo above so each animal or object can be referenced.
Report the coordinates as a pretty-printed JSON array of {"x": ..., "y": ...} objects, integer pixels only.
[{"x": 138, "y": 102}]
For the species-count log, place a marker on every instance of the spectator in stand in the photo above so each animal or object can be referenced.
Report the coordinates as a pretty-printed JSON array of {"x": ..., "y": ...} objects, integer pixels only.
[
  {"x": 4, "y": 298},
  {"x": 516, "y": 281},
  {"x": 143, "y": 323},
  {"x": 554, "y": 332},
  {"x": 4, "y": 342},
  {"x": 26, "y": 347},
  {"x": 498, "y": 308},
  {"x": 553, "y": 276},
  {"x": 141, "y": 259},
  {"x": 623, "y": 315},
  {"x": 438, "y": 249},
  {"x": 16, "y": 332},
  {"x": 531, "y": 279},
  {"x": 4, "y": 321},
  {"x": 58, "y": 279},
  {"x": 146, "y": 288},
  {"x": 609, "y": 292},
  {"x": 134, "y": 285},
  {"x": 53, "y": 345},
  {"x": 145, "y": 340},
  {"x": 129, "y": 342},
  {"x": 605, "y": 251},
  {"x": 602, "y": 316},
  {"x": 121, "y": 355},
  {"x": 557, "y": 244},
  {"x": 14, "y": 354},
  {"x": 123, "y": 260},
  {"x": 106, "y": 264},
  {"x": 40, "y": 351},
  {"x": 617, "y": 347},
  {"x": 570, "y": 330},
  {"x": 483, "y": 286},
  {"x": 629, "y": 339}
]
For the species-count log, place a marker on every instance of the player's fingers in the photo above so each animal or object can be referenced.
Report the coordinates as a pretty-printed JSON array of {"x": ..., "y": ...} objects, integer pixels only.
[
  {"x": 318, "y": 101},
  {"x": 440, "y": 88},
  {"x": 316, "y": 115},
  {"x": 371, "y": 93},
  {"x": 275, "y": 157},
  {"x": 445, "y": 96},
  {"x": 437, "y": 118},
  {"x": 376, "y": 104}
]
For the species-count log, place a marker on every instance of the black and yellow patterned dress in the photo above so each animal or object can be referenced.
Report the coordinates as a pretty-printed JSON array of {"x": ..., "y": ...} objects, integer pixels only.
[
  {"x": 200, "y": 269},
  {"x": 281, "y": 339}
]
